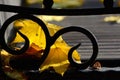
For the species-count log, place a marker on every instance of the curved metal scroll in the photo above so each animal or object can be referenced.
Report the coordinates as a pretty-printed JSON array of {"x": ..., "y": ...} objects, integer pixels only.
[
  {"x": 10, "y": 20},
  {"x": 26, "y": 45},
  {"x": 92, "y": 39},
  {"x": 95, "y": 49},
  {"x": 49, "y": 40}
]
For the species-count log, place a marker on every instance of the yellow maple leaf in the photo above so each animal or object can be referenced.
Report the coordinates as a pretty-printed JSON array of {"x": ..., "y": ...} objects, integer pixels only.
[
  {"x": 58, "y": 55},
  {"x": 34, "y": 32}
]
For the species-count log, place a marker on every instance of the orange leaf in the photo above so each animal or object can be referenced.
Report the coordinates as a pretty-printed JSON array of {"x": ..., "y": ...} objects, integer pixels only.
[{"x": 34, "y": 49}]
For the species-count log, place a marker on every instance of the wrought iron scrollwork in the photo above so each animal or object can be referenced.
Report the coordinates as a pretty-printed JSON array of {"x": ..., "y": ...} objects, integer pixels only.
[
  {"x": 49, "y": 40},
  {"x": 27, "y": 14},
  {"x": 3, "y": 41},
  {"x": 94, "y": 44}
]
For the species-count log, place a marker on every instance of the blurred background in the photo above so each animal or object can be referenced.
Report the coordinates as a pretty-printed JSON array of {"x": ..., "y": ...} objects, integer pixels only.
[{"x": 106, "y": 28}]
